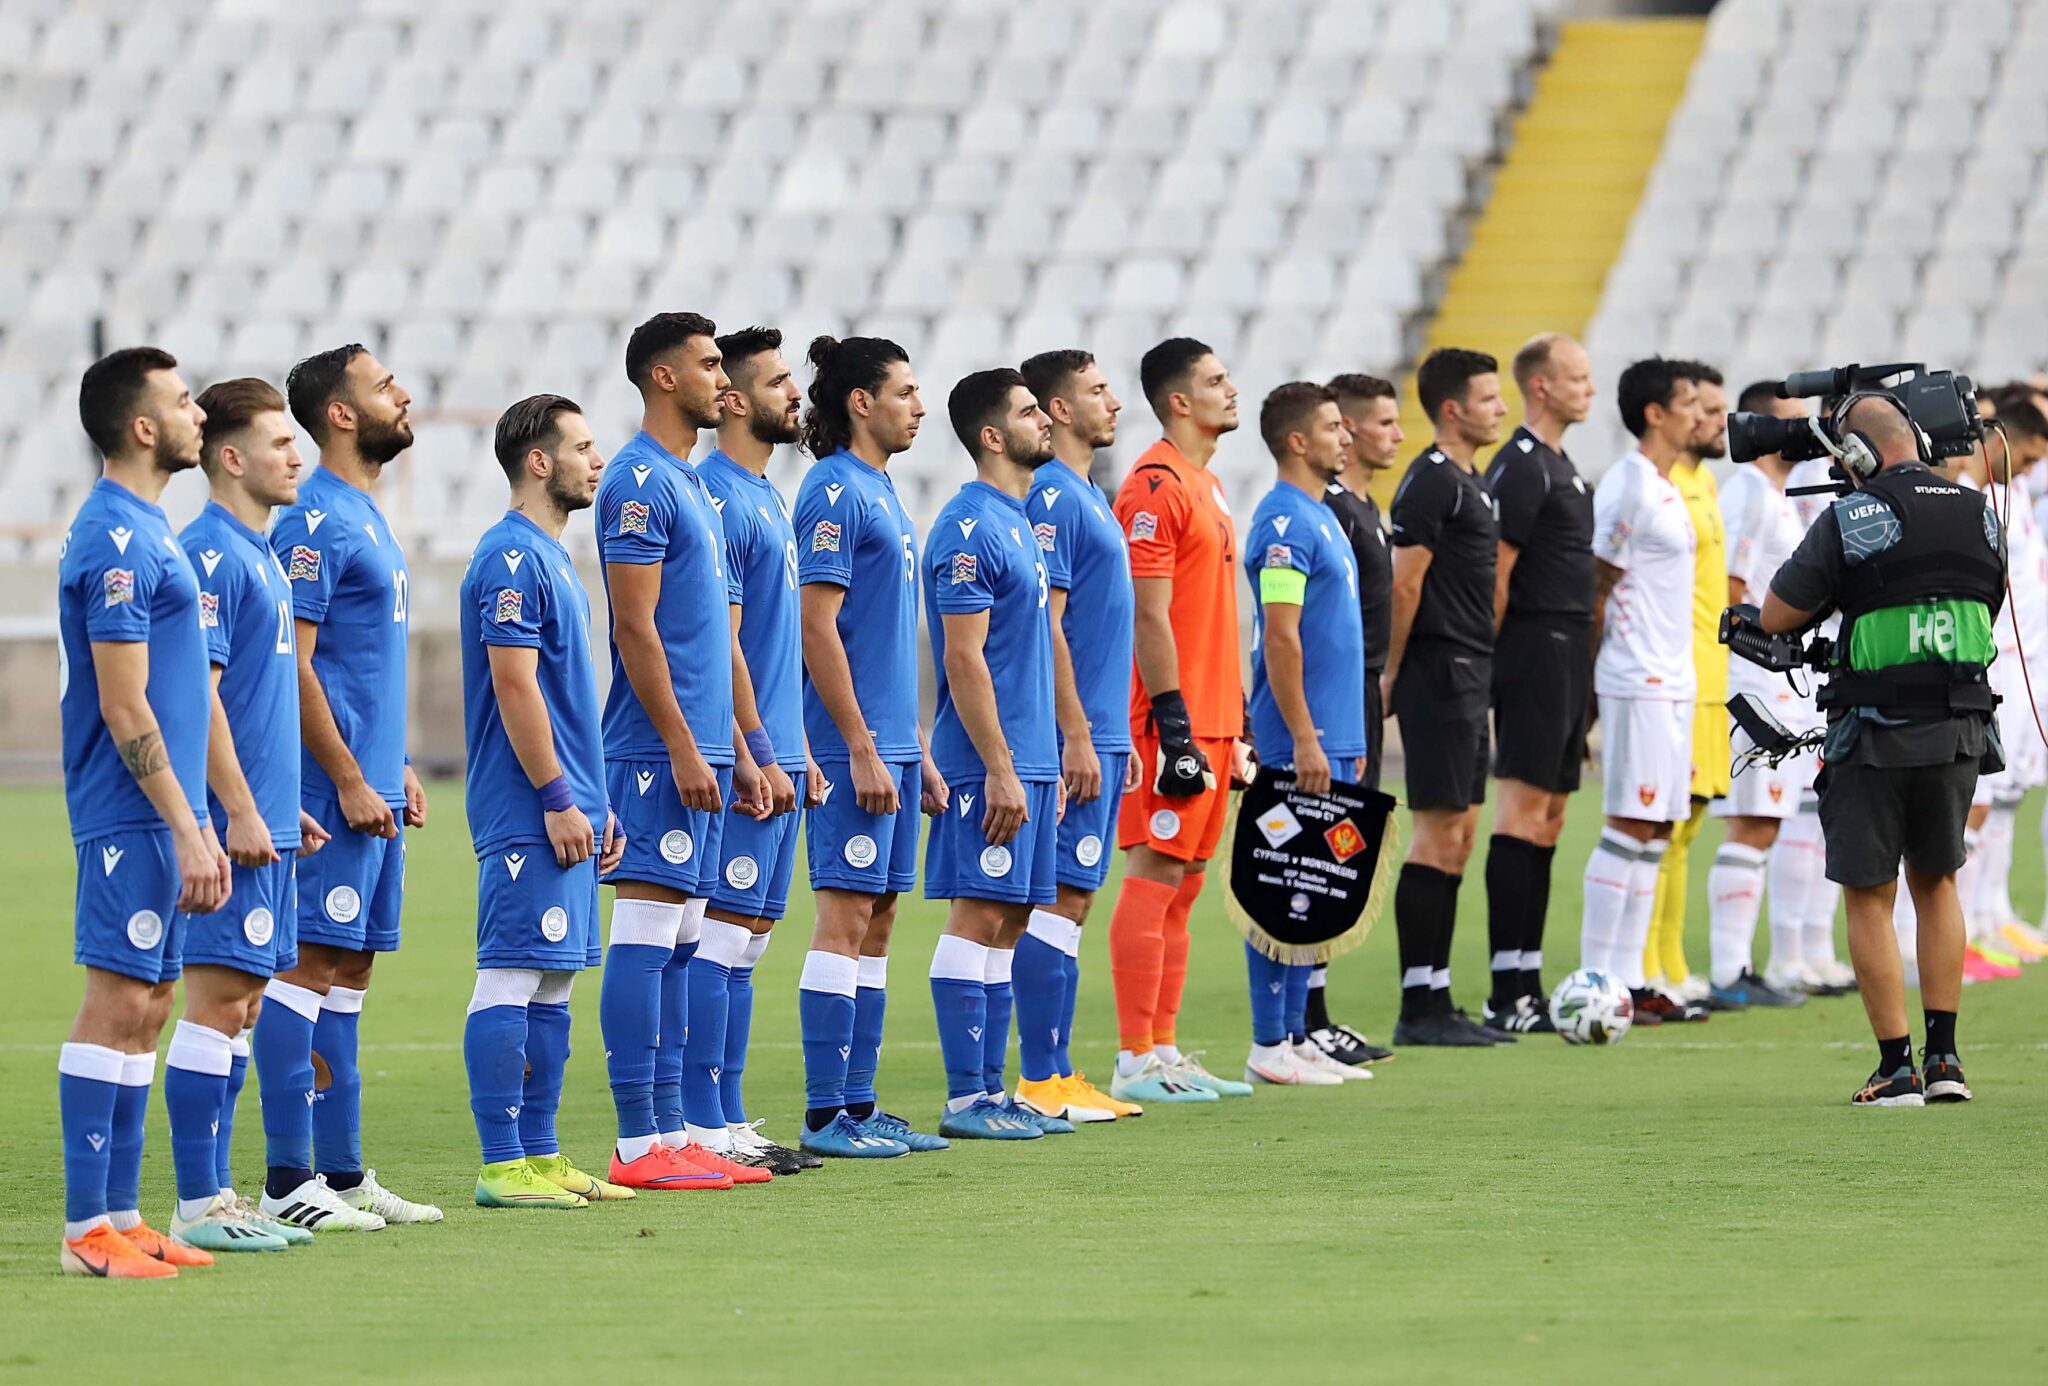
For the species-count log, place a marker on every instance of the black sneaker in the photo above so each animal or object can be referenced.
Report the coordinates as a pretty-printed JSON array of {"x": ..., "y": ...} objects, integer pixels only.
[
  {"x": 750, "y": 1147},
  {"x": 1373, "y": 1053},
  {"x": 1899, "y": 1089},
  {"x": 1340, "y": 1046},
  {"x": 1942, "y": 1076},
  {"x": 1440, "y": 1030},
  {"x": 1485, "y": 1032},
  {"x": 1758, "y": 992},
  {"x": 1526, "y": 1016}
]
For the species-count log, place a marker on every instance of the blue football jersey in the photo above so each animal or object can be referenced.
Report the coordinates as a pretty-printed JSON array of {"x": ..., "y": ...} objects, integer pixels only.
[
  {"x": 1293, "y": 530},
  {"x": 852, "y": 532},
  {"x": 123, "y": 579},
  {"x": 652, "y": 508},
  {"x": 522, "y": 590},
  {"x": 349, "y": 578},
  {"x": 245, "y": 608},
  {"x": 1086, "y": 557},
  {"x": 981, "y": 557},
  {"x": 760, "y": 553}
]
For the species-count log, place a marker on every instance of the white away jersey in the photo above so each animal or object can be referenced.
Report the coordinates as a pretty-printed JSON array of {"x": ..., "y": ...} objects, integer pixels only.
[
  {"x": 1640, "y": 526},
  {"x": 1763, "y": 528}
]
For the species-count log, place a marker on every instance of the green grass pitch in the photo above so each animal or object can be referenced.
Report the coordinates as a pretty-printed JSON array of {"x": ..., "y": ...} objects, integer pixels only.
[{"x": 1699, "y": 1202}]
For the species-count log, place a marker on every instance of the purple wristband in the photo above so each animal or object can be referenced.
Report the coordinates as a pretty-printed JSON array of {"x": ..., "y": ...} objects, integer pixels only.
[
  {"x": 556, "y": 796},
  {"x": 759, "y": 746}
]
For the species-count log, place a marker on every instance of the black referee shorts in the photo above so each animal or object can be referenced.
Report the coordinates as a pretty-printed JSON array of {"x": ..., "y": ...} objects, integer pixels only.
[
  {"x": 1375, "y": 729},
  {"x": 1542, "y": 682},
  {"x": 1441, "y": 701}
]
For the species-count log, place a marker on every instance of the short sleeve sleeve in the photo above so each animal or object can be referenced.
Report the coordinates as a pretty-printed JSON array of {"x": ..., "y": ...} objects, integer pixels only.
[
  {"x": 826, "y": 533},
  {"x": 220, "y": 598},
  {"x": 511, "y": 601},
  {"x": 1518, "y": 489},
  {"x": 1422, "y": 504},
  {"x": 633, "y": 526},
  {"x": 739, "y": 545},
  {"x": 962, "y": 568},
  {"x": 1154, "y": 521},
  {"x": 1743, "y": 512},
  {"x": 1614, "y": 516},
  {"x": 1808, "y": 579},
  {"x": 312, "y": 564},
  {"x": 115, "y": 591},
  {"x": 1053, "y": 527}
]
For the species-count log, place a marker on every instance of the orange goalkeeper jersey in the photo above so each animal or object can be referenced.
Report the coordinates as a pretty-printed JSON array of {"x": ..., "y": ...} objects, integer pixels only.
[{"x": 1179, "y": 527}]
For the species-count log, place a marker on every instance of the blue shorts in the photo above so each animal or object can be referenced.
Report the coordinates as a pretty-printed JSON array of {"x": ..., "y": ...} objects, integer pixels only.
[
  {"x": 351, "y": 890},
  {"x": 852, "y": 850},
  {"x": 126, "y": 915},
  {"x": 666, "y": 844},
  {"x": 758, "y": 860},
  {"x": 257, "y": 931},
  {"x": 1088, "y": 829},
  {"x": 532, "y": 913},
  {"x": 959, "y": 863}
]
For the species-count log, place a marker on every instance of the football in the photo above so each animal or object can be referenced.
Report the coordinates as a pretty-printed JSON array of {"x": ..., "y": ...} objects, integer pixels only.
[{"x": 1591, "y": 1007}]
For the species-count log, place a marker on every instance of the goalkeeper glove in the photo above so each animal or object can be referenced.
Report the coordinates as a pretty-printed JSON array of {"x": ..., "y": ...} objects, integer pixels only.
[{"x": 1182, "y": 770}]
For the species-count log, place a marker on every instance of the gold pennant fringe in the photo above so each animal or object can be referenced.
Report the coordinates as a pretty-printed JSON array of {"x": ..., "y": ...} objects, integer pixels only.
[{"x": 1313, "y": 954}]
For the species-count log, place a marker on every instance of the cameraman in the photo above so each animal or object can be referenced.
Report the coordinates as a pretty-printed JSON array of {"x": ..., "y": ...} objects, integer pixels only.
[{"x": 1918, "y": 576}]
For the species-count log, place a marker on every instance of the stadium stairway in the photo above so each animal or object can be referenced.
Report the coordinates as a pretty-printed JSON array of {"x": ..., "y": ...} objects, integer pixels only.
[{"x": 1562, "y": 197}]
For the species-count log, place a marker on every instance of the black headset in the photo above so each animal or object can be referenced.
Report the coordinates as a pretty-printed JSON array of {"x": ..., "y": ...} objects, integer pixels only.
[{"x": 1857, "y": 453}]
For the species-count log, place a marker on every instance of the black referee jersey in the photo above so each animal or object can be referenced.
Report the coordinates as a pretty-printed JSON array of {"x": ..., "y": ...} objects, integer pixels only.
[
  {"x": 1546, "y": 510},
  {"x": 1359, "y": 517},
  {"x": 1447, "y": 510}
]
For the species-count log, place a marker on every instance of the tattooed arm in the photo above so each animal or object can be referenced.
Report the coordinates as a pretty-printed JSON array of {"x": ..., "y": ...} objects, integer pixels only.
[{"x": 123, "y": 672}]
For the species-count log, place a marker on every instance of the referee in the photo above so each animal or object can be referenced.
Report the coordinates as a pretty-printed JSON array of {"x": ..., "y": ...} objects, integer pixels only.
[
  {"x": 1372, "y": 419},
  {"x": 1543, "y": 665},
  {"x": 1439, "y": 679}
]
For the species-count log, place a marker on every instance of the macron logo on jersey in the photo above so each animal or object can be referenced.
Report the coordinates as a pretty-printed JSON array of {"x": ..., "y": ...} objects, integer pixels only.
[
  {"x": 515, "y": 862},
  {"x": 967, "y": 528},
  {"x": 1049, "y": 495},
  {"x": 832, "y": 490},
  {"x": 210, "y": 560},
  {"x": 966, "y": 804},
  {"x": 513, "y": 558},
  {"x": 640, "y": 475},
  {"x": 121, "y": 534},
  {"x": 1526, "y": 444},
  {"x": 314, "y": 519},
  {"x": 1280, "y": 523},
  {"x": 110, "y": 857},
  {"x": 645, "y": 780}
]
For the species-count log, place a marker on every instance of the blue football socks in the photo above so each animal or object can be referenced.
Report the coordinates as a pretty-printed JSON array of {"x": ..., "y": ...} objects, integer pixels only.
[
  {"x": 547, "y": 1060},
  {"x": 195, "y": 1087},
  {"x": 825, "y": 1011},
  {"x": 960, "y": 997},
  {"x": 88, "y": 1085},
  {"x": 338, "y": 1110},
  {"x": 1268, "y": 983}
]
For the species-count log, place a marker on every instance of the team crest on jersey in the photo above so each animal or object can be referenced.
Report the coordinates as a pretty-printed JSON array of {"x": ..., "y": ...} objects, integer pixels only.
[
  {"x": 995, "y": 862},
  {"x": 965, "y": 568},
  {"x": 554, "y": 924},
  {"x": 1088, "y": 850},
  {"x": 860, "y": 851},
  {"x": 209, "y": 610},
  {"x": 1165, "y": 823},
  {"x": 676, "y": 847},
  {"x": 1045, "y": 534},
  {"x": 1647, "y": 793},
  {"x": 118, "y": 586},
  {"x": 742, "y": 872},
  {"x": 825, "y": 538},
  {"x": 343, "y": 904},
  {"x": 633, "y": 517},
  {"x": 1776, "y": 791},
  {"x": 1144, "y": 526},
  {"x": 1279, "y": 556},
  {"x": 510, "y": 602},
  {"x": 305, "y": 565}
]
